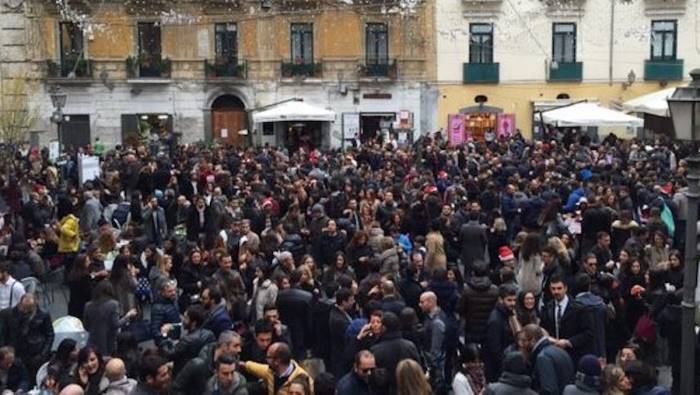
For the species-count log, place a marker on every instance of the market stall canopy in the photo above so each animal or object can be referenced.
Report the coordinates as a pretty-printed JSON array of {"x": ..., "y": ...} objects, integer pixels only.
[
  {"x": 654, "y": 103},
  {"x": 589, "y": 114},
  {"x": 293, "y": 110}
]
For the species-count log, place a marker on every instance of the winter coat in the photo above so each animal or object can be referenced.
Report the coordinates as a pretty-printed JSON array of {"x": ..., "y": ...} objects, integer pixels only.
[
  {"x": 338, "y": 322},
  {"x": 477, "y": 302},
  {"x": 188, "y": 347},
  {"x": 194, "y": 375},
  {"x": 163, "y": 312},
  {"x": 351, "y": 384},
  {"x": 552, "y": 368},
  {"x": 263, "y": 372},
  {"x": 598, "y": 312},
  {"x": 102, "y": 323},
  {"x": 69, "y": 237},
  {"x": 511, "y": 384},
  {"x": 579, "y": 389},
  {"x": 390, "y": 350},
  {"x": 218, "y": 320},
  {"x": 239, "y": 386},
  {"x": 499, "y": 336},
  {"x": 264, "y": 294},
  {"x": 529, "y": 274},
  {"x": 473, "y": 241},
  {"x": 123, "y": 386},
  {"x": 294, "y": 306},
  {"x": 31, "y": 335}
]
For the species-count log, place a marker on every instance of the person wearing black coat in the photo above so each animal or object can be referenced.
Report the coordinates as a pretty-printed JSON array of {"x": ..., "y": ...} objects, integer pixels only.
[
  {"x": 499, "y": 333},
  {"x": 574, "y": 330},
  {"x": 191, "y": 344},
  {"x": 338, "y": 321},
  {"x": 392, "y": 348},
  {"x": 551, "y": 269},
  {"x": 165, "y": 314},
  {"x": 552, "y": 368},
  {"x": 14, "y": 376},
  {"x": 294, "y": 305},
  {"x": 478, "y": 300},
  {"x": 200, "y": 220},
  {"x": 28, "y": 329},
  {"x": 409, "y": 286}
]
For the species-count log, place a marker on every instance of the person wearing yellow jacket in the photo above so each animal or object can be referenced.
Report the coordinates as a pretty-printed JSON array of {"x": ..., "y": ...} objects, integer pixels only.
[
  {"x": 69, "y": 235},
  {"x": 281, "y": 371}
]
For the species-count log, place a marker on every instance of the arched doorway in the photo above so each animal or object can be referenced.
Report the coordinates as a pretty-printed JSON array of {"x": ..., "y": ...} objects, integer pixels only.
[{"x": 228, "y": 117}]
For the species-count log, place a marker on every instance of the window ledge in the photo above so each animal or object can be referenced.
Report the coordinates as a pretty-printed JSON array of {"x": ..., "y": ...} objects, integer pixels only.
[
  {"x": 149, "y": 81},
  {"x": 307, "y": 80},
  {"x": 69, "y": 81}
]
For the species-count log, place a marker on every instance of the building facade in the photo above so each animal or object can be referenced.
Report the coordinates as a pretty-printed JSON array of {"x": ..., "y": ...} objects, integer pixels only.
[
  {"x": 198, "y": 69},
  {"x": 521, "y": 56}
]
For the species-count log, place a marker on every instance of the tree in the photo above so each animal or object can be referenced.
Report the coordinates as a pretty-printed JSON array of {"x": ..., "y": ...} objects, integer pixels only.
[{"x": 16, "y": 115}]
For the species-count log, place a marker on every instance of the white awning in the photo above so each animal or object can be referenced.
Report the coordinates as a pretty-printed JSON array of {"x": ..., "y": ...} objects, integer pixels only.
[
  {"x": 589, "y": 114},
  {"x": 654, "y": 103},
  {"x": 293, "y": 111}
]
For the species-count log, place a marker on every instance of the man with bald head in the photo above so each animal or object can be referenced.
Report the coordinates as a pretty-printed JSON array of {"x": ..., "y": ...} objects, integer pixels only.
[
  {"x": 72, "y": 389},
  {"x": 281, "y": 370},
  {"x": 117, "y": 383},
  {"x": 435, "y": 322}
]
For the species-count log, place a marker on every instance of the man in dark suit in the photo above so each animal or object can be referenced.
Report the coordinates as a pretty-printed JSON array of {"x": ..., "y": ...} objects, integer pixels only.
[
  {"x": 155, "y": 226},
  {"x": 568, "y": 323}
]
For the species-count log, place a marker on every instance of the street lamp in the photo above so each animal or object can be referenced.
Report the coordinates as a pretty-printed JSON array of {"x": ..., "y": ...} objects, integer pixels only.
[
  {"x": 58, "y": 99},
  {"x": 684, "y": 105}
]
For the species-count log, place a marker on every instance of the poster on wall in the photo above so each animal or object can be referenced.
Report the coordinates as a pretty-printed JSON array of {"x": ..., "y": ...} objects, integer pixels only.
[
  {"x": 506, "y": 125},
  {"x": 456, "y": 129}
]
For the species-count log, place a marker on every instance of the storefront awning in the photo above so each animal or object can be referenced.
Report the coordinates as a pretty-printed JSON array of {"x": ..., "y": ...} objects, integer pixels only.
[
  {"x": 294, "y": 110},
  {"x": 589, "y": 114},
  {"x": 654, "y": 103}
]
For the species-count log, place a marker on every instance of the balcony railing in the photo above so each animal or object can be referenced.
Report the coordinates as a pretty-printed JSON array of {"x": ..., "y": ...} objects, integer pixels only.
[
  {"x": 291, "y": 70},
  {"x": 566, "y": 71},
  {"x": 379, "y": 68},
  {"x": 481, "y": 73},
  {"x": 224, "y": 68},
  {"x": 69, "y": 68},
  {"x": 663, "y": 70},
  {"x": 148, "y": 67}
]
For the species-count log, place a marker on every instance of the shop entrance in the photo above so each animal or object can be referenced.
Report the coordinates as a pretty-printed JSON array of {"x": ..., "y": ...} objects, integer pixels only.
[
  {"x": 375, "y": 126},
  {"x": 307, "y": 135}
]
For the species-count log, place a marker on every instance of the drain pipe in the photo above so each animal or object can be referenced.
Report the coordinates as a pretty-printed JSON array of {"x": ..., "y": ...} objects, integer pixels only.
[{"x": 612, "y": 41}]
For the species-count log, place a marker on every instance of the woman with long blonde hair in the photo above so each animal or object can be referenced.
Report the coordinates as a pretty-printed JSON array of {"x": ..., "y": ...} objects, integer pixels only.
[{"x": 410, "y": 379}]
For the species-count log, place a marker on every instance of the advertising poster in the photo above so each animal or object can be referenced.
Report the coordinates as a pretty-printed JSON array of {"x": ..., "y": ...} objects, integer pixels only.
[{"x": 456, "y": 129}]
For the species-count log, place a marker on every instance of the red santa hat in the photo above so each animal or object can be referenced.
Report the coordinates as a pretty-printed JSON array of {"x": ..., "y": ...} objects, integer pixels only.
[{"x": 505, "y": 254}]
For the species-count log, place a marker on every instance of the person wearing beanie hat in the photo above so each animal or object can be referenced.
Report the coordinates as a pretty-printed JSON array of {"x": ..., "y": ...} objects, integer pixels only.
[
  {"x": 514, "y": 379},
  {"x": 587, "y": 377}
]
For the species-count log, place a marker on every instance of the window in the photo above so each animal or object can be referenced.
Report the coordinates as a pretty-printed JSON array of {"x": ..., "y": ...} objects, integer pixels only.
[
  {"x": 71, "y": 38},
  {"x": 226, "y": 41},
  {"x": 377, "y": 44},
  {"x": 149, "y": 39},
  {"x": 663, "y": 40},
  {"x": 302, "y": 43},
  {"x": 564, "y": 42},
  {"x": 481, "y": 43}
]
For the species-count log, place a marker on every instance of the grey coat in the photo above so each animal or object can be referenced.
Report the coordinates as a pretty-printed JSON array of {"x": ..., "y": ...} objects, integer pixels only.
[
  {"x": 101, "y": 320},
  {"x": 511, "y": 384}
]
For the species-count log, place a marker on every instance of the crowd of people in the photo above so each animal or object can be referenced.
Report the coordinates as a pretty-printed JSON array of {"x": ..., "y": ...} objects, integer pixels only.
[{"x": 502, "y": 267}]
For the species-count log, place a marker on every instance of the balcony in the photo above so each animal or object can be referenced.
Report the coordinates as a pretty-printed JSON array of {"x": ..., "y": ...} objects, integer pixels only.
[
  {"x": 225, "y": 69},
  {"x": 663, "y": 70},
  {"x": 302, "y": 70},
  {"x": 566, "y": 72},
  {"x": 384, "y": 68},
  {"x": 71, "y": 68},
  {"x": 481, "y": 73},
  {"x": 148, "y": 67}
]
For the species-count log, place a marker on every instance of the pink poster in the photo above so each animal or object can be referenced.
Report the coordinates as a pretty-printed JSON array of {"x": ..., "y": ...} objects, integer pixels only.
[
  {"x": 456, "y": 129},
  {"x": 506, "y": 125}
]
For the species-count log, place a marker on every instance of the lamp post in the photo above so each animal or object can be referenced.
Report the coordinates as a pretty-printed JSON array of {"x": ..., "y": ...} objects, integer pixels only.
[
  {"x": 684, "y": 105},
  {"x": 58, "y": 99}
]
